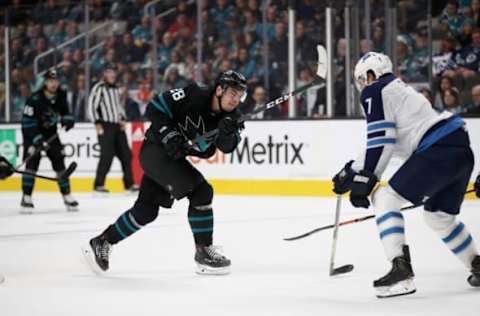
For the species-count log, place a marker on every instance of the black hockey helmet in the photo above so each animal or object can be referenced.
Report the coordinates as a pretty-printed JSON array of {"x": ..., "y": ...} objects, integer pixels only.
[
  {"x": 233, "y": 79},
  {"x": 50, "y": 74}
]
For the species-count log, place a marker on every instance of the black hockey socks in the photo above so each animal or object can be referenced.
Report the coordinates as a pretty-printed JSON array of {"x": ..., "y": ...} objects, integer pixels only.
[
  {"x": 125, "y": 226},
  {"x": 28, "y": 182},
  {"x": 201, "y": 222},
  {"x": 64, "y": 185},
  {"x": 131, "y": 221},
  {"x": 200, "y": 215}
]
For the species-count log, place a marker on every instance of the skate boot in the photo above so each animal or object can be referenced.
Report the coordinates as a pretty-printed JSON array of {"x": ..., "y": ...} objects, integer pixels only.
[
  {"x": 26, "y": 205},
  {"x": 97, "y": 254},
  {"x": 100, "y": 191},
  {"x": 133, "y": 189},
  {"x": 70, "y": 203},
  {"x": 399, "y": 281},
  {"x": 474, "y": 278},
  {"x": 210, "y": 260}
]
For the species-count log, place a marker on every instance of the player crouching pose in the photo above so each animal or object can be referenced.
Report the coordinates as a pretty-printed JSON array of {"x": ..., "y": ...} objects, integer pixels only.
[
  {"x": 195, "y": 121},
  {"x": 436, "y": 172}
]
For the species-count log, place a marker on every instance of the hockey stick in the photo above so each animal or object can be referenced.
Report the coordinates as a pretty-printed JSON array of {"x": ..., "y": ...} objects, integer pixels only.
[
  {"x": 61, "y": 176},
  {"x": 37, "y": 150},
  {"x": 345, "y": 268},
  {"x": 352, "y": 221},
  {"x": 320, "y": 76}
]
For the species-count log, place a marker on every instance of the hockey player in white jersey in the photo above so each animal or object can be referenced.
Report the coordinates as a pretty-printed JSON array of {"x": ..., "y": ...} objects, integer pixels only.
[{"x": 436, "y": 171}]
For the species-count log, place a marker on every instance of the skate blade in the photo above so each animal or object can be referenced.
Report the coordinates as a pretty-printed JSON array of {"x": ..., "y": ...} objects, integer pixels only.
[
  {"x": 90, "y": 259},
  {"x": 26, "y": 210},
  {"x": 404, "y": 287},
  {"x": 72, "y": 208},
  {"x": 206, "y": 270}
]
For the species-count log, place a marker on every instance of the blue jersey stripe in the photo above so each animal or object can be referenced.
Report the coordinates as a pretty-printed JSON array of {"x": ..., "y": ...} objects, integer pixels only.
[
  {"x": 381, "y": 141},
  {"x": 374, "y": 126}
]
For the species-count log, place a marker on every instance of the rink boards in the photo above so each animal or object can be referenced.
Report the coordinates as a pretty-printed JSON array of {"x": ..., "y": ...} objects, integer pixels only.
[{"x": 274, "y": 157}]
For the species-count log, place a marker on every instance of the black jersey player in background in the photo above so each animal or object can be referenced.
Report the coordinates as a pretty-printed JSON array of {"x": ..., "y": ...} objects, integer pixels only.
[
  {"x": 41, "y": 114},
  {"x": 194, "y": 121}
]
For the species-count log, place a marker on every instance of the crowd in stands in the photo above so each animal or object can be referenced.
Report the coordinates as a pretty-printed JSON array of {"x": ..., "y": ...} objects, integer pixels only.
[{"x": 234, "y": 37}]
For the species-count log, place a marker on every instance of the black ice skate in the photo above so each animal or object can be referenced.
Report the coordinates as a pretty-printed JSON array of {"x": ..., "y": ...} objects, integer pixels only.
[
  {"x": 210, "y": 261},
  {"x": 399, "y": 281},
  {"x": 100, "y": 191},
  {"x": 474, "y": 278},
  {"x": 26, "y": 205},
  {"x": 70, "y": 203},
  {"x": 97, "y": 254}
]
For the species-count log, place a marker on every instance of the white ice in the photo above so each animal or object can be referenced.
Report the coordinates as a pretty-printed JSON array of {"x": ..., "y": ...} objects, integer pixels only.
[{"x": 152, "y": 273}]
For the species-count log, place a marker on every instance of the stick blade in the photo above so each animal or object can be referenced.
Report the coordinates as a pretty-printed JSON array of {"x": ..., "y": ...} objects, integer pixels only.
[
  {"x": 341, "y": 270},
  {"x": 322, "y": 62}
]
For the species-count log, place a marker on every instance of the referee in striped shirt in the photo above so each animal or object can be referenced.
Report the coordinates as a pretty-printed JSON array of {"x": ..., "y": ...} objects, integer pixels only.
[{"x": 108, "y": 114}]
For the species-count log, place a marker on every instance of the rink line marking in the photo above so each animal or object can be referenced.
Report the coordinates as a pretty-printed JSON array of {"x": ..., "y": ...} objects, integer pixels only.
[
  {"x": 318, "y": 188},
  {"x": 153, "y": 227}
]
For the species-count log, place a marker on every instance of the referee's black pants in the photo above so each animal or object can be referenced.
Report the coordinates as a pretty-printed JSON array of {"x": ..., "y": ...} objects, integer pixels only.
[{"x": 113, "y": 142}]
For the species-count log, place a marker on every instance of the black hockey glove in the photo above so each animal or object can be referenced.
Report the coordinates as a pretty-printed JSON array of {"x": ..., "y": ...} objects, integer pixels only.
[
  {"x": 342, "y": 182},
  {"x": 363, "y": 184},
  {"x": 175, "y": 144},
  {"x": 39, "y": 144},
  {"x": 68, "y": 122},
  {"x": 6, "y": 169},
  {"x": 476, "y": 186},
  {"x": 229, "y": 125}
]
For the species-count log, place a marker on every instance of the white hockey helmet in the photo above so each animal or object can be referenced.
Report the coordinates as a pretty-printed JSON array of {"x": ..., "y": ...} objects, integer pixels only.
[{"x": 377, "y": 63}]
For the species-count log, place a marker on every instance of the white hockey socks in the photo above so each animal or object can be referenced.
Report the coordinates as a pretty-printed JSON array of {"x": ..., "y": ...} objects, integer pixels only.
[
  {"x": 454, "y": 234},
  {"x": 390, "y": 222}
]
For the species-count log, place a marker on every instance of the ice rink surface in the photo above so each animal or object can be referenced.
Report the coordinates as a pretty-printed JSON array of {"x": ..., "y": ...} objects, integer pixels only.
[{"x": 152, "y": 273}]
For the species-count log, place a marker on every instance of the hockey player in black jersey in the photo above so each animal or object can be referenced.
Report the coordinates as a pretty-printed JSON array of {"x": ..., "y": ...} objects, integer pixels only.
[
  {"x": 193, "y": 121},
  {"x": 41, "y": 114}
]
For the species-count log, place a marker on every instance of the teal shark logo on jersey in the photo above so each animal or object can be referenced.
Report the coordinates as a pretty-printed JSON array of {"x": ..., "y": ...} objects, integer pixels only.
[{"x": 196, "y": 133}]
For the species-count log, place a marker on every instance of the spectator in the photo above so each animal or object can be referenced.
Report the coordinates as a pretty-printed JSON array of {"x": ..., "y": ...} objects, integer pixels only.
[
  {"x": 452, "y": 20},
  {"x": 142, "y": 33},
  {"x": 259, "y": 97},
  {"x": 173, "y": 80},
  {"x": 474, "y": 107},
  {"x": 427, "y": 94},
  {"x": 309, "y": 97},
  {"x": 128, "y": 52},
  {"x": 176, "y": 62},
  {"x": 19, "y": 102},
  {"x": 165, "y": 50},
  {"x": 445, "y": 84},
  {"x": 182, "y": 27},
  {"x": 59, "y": 34},
  {"x": 467, "y": 60},
  {"x": 306, "y": 47},
  {"x": 451, "y": 101},
  {"x": 442, "y": 60},
  {"x": 77, "y": 99},
  {"x": 378, "y": 37},
  {"x": 17, "y": 53},
  {"x": 41, "y": 46},
  {"x": 246, "y": 65}
]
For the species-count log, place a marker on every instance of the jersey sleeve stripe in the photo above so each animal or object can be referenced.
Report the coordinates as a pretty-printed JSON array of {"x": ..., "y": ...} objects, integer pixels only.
[
  {"x": 375, "y": 126},
  {"x": 381, "y": 141}
]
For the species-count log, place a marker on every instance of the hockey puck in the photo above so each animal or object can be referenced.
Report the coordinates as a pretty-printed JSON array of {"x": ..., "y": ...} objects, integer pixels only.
[{"x": 341, "y": 270}]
